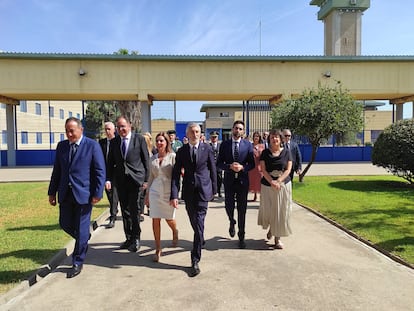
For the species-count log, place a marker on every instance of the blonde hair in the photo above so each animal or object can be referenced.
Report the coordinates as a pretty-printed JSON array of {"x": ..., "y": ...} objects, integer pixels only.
[{"x": 148, "y": 140}]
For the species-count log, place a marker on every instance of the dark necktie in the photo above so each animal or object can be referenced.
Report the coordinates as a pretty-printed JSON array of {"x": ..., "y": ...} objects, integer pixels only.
[
  {"x": 73, "y": 148},
  {"x": 287, "y": 146},
  {"x": 236, "y": 151},
  {"x": 194, "y": 155},
  {"x": 123, "y": 147}
]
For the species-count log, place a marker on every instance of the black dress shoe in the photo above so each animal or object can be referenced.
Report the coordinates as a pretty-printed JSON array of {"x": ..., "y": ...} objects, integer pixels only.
[
  {"x": 76, "y": 269},
  {"x": 242, "y": 244},
  {"x": 134, "y": 247},
  {"x": 232, "y": 232},
  {"x": 111, "y": 224},
  {"x": 194, "y": 270},
  {"x": 126, "y": 244},
  {"x": 141, "y": 218}
]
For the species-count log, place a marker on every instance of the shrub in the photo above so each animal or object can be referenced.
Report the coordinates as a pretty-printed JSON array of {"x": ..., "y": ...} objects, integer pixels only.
[{"x": 394, "y": 149}]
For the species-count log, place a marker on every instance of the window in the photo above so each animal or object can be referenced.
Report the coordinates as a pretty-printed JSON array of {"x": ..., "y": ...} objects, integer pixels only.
[
  {"x": 3, "y": 106},
  {"x": 4, "y": 137},
  {"x": 38, "y": 137},
  {"x": 51, "y": 112},
  {"x": 38, "y": 109},
  {"x": 62, "y": 137},
  {"x": 70, "y": 114},
  {"x": 78, "y": 115},
  {"x": 23, "y": 106},
  {"x": 224, "y": 114},
  {"x": 374, "y": 135},
  {"x": 25, "y": 138},
  {"x": 61, "y": 114},
  {"x": 52, "y": 138}
]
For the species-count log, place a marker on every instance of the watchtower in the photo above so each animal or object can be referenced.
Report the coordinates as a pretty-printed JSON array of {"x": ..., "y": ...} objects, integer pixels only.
[{"x": 342, "y": 19}]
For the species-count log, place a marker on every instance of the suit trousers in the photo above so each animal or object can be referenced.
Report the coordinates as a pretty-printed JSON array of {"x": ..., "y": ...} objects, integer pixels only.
[
  {"x": 236, "y": 192},
  {"x": 75, "y": 220},
  {"x": 112, "y": 196},
  {"x": 128, "y": 193},
  {"x": 197, "y": 211}
]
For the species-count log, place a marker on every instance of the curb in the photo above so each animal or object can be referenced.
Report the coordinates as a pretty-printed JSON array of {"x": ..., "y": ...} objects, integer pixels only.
[{"x": 53, "y": 263}]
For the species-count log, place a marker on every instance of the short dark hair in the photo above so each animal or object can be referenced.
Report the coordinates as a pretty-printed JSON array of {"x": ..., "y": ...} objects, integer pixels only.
[
  {"x": 238, "y": 122},
  {"x": 169, "y": 132},
  {"x": 74, "y": 119}
]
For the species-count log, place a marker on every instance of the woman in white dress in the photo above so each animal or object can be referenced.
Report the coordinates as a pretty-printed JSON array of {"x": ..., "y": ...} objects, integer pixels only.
[{"x": 159, "y": 190}]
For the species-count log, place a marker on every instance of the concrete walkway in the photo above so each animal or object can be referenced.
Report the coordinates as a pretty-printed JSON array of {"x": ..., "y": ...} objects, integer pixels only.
[{"x": 321, "y": 268}]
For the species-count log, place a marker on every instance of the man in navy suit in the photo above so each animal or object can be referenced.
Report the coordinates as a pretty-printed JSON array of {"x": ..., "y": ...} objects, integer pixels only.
[
  {"x": 128, "y": 169},
  {"x": 78, "y": 177},
  {"x": 112, "y": 195},
  {"x": 199, "y": 186},
  {"x": 236, "y": 159},
  {"x": 293, "y": 147}
]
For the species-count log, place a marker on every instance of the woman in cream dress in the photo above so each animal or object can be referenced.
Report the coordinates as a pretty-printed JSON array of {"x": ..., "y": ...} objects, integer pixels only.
[
  {"x": 159, "y": 189},
  {"x": 276, "y": 190}
]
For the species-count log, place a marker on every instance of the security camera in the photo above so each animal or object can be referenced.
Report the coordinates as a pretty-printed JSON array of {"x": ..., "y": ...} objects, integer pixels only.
[
  {"x": 82, "y": 72},
  {"x": 327, "y": 74}
]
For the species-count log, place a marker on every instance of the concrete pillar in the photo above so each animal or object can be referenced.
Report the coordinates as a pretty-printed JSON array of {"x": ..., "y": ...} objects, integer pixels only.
[
  {"x": 412, "y": 110},
  {"x": 11, "y": 135},
  {"x": 145, "y": 116},
  {"x": 399, "y": 112}
]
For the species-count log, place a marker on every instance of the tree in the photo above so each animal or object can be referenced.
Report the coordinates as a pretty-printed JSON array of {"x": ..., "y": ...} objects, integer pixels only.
[
  {"x": 97, "y": 113},
  {"x": 318, "y": 114},
  {"x": 394, "y": 149}
]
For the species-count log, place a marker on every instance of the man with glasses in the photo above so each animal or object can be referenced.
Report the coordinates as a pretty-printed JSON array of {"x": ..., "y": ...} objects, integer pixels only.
[
  {"x": 295, "y": 151},
  {"x": 236, "y": 160}
]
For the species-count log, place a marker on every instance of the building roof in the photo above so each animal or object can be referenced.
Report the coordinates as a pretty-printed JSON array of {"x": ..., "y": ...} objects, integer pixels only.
[{"x": 227, "y": 58}]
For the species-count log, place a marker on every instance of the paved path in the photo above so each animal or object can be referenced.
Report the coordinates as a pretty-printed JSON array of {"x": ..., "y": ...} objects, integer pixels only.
[
  {"x": 321, "y": 268},
  {"x": 354, "y": 168}
]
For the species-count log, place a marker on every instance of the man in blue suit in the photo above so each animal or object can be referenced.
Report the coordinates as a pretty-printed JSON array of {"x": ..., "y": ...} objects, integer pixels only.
[
  {"x": 293, "y": 147},
  {"x": 199, "y": 186},
  {"x": 236, "y": 160},
  {"x": 78, "y": 177}
]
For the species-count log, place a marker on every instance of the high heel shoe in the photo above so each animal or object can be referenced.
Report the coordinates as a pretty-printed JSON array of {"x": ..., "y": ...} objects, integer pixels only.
[
  {"x": 157, "y": 255},
  {"x": 175, "y": 238}
]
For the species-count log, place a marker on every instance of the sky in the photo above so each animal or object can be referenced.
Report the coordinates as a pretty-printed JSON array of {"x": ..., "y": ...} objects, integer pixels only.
[{"x": 193, "y": 27}]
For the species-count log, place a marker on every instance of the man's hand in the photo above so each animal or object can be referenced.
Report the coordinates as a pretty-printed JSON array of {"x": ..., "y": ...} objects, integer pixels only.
[
  {"x": 52, "y": 200},
  {"x": 174, "y": 203},
  {"x": 95, "y": 200},
  {"x": 108, "y": 185}
]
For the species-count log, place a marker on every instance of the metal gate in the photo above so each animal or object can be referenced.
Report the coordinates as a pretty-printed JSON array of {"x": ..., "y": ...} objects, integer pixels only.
[{"x": 256, "y": 113}]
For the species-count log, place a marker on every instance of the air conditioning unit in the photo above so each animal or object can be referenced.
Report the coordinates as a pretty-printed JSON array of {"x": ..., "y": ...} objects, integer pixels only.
[{"x": 352, "y": 2}]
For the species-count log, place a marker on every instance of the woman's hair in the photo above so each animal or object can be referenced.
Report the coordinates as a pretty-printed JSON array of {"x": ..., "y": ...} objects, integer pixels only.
[
  {"x": 148, "y": 137},
  {"x": 257, "y": 134},
  {"x": 168, "y": 148},
  {"x": 276, "y": 132}
]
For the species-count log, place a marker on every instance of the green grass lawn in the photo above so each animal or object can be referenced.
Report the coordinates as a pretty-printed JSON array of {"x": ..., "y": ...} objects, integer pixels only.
[
  {"x": 377, "y": 208},
  {"x": 29, "y": 230}
]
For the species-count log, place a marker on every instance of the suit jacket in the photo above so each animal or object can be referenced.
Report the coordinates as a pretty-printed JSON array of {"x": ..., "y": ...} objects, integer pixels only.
[
  {"x": 85, "y": 173},
  {"x": 216, "y": 153},
  {"x": 246, "y": 158},
  {"x": 296, "y": 156},
  {"x": 103, "y": 142},
  {"x": 135, "y": 165},
  {"x": 200, "y": 178}
]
